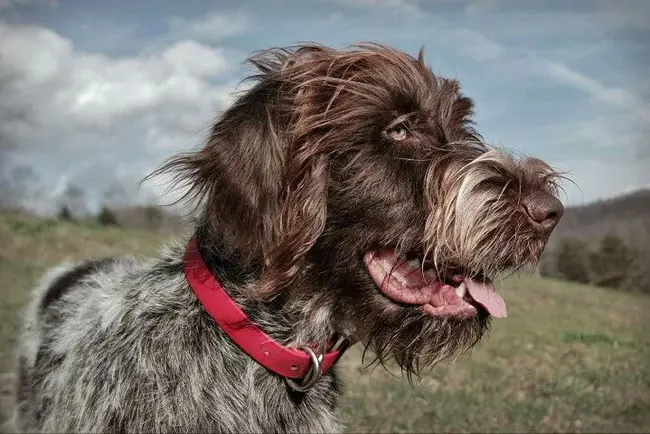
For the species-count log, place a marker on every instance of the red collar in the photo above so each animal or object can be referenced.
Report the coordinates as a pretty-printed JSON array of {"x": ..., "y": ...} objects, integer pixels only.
[{"x": 285, "y": 361}]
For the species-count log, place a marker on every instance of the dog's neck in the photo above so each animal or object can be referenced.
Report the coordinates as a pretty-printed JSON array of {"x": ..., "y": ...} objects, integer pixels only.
[{"x": 294, "y": 323}]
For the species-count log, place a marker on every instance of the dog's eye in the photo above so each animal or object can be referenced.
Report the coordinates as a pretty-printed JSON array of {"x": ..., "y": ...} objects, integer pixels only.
[{"x": 398, "y": 133}]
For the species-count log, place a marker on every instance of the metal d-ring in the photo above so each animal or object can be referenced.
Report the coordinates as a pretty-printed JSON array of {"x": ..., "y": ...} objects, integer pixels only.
[{"x": 314, "y": 372}]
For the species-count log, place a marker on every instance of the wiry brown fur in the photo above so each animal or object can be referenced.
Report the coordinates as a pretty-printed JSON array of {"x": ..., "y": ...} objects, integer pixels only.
[
  {"x": 331, "y": 154},
  {"x": 315, "y": 103},
  {"x": 302, "y": 165}
]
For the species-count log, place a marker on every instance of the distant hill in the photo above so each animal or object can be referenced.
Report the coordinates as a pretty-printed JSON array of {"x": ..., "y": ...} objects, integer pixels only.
[{"x": 627, "y": 216}]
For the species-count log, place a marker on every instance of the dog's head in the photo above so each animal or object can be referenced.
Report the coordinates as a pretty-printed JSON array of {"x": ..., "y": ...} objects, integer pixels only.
[{"x": 358, "y": 181}]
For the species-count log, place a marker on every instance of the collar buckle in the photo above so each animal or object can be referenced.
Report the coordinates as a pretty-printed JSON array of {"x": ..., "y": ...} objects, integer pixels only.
[
  {"x": 315, "y": 370},
  {"x": 314, "y": 373}
]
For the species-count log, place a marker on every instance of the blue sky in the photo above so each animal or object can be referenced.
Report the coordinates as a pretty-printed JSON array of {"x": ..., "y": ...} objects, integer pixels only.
[{"x": 95, "y": 93}]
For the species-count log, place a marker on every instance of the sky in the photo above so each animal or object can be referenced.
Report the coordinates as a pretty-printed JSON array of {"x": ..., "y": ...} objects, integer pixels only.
[{"x": 96, "y": 94}]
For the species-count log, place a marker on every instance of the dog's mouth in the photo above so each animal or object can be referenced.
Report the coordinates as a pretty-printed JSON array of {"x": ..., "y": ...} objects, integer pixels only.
[{"x": 409, "y": 282}]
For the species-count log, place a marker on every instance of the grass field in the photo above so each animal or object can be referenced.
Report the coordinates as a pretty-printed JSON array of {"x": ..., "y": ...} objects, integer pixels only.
[{"x": 568, "y": 358}]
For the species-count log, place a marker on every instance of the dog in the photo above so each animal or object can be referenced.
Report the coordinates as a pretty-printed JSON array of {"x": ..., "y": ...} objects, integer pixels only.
[{"x": 345, "y": 197}]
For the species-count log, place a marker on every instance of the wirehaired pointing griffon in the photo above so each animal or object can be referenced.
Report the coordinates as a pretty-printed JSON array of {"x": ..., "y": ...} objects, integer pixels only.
[{"x": 344, "y": 198}]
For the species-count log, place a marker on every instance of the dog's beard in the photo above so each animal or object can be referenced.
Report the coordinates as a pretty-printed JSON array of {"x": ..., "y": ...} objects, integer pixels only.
[
  {"x": 416, "y": 342},
  {"x": 472, "y": 222},
  {"x": 404, "y": 335}
]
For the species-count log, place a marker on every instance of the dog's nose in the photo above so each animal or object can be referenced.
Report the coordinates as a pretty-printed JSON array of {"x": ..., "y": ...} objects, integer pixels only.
[{"x": 544, "y": 209}]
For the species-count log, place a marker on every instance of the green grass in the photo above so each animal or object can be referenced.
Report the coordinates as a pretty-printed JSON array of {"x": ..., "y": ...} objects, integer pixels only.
[{"x": 568, "y": 358}]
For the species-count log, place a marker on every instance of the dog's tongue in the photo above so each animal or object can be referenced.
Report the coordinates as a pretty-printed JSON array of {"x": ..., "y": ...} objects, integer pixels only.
[
  {"x": 405, "y": 284},
  {"x": 485, "y": 293}
]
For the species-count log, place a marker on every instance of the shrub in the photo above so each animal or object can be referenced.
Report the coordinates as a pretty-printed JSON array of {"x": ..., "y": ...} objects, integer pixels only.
[
  {"x": 572, "y": 260},
  {"x": 65, "y": 214},
  {"x": 612, "y": 263},
  {"x": 107, "y": 217}
]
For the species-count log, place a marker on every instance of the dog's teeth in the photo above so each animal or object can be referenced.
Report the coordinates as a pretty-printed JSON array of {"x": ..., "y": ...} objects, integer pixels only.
[
  {"x": 415, "y": 263},
  {"x": 460, "y": 290}
]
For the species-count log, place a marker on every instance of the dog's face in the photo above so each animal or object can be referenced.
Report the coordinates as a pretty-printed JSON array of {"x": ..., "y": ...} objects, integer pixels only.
[{"x": 357, "y": 179}]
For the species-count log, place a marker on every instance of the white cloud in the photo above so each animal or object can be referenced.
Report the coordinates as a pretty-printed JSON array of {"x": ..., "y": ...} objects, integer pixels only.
[
  {"x": 562, "y": 73},
  {"x": 90, "y": 92},
  {"x": 75, "y": 106},
  {"x": 31, "y": 55},
  {"x": 213, "y": 28},
  {"x": 196, "y": 59}
]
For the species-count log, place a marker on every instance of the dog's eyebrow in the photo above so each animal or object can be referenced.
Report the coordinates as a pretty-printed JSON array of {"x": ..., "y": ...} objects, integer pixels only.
[{"x": 400, "y": 119}]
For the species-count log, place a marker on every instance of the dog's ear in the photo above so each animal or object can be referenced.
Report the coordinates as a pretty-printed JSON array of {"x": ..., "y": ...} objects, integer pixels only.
[
  {"x": 303, "y": 204},
  {"x": 235, "y": 178},
  {"x": 260, "y": 179},
  {"x": 303, "y": 216}
]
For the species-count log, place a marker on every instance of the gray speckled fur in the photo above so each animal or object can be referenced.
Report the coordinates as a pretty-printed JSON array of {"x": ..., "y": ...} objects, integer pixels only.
[{"x": 127, "y": 347}]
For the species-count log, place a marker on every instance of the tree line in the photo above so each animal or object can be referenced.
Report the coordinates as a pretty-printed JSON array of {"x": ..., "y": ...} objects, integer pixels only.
[
  {"x": 107, "y": 217},
  {"x": 610, "y": 262}
]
